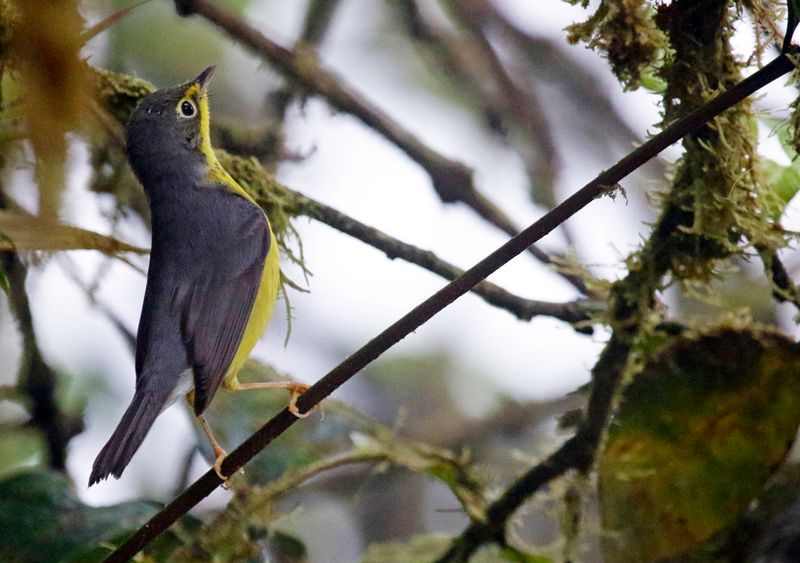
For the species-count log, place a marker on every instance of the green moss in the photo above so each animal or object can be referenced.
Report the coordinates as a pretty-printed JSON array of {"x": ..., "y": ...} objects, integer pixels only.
[
  {"x": 625, "y": 32},
  {"x": 119, "y": 93},
  {"x": 718, "y": 200}
]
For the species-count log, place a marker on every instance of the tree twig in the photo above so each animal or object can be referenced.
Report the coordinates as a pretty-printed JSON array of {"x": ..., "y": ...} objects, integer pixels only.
[
  {"x": 522, "y": 110},
  {"x": 318, "y": 19},
  {"x": 37, "y": 380},
  {"x": 573, "y": 453},
  {"x": 524, "y": 309},
  {"x": 451, "y": 180}
]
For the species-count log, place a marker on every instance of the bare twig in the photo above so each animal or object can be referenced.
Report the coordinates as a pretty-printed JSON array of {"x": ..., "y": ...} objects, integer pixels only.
[
  {"x": 524, "y": 309},
  {"x": 451, "y": 180},
  {"x": 574, "y": 452},
  {"x": 37, "y": 380},
  {"x": 319, "y": 15},
  {"x": 318, "y": 19},
  {"x": 522, "y": 110}
]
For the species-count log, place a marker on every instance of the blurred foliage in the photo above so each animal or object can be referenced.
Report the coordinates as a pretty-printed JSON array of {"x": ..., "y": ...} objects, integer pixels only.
[
  {"x": 138, "y": 42},
  {"x": 54, "y": 89},
  {"x": 23, "y": 232},
  {"x": 313, "y": 447},
  {"x": 42, "y": 520},
  {"x": 783, "y": 181},
  {"x": 699, "y": 431},
  {"x": 422, "y": 549}
]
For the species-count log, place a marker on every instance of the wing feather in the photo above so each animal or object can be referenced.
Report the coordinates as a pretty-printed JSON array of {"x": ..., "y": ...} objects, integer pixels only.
[{"x": 215, "y": 306}]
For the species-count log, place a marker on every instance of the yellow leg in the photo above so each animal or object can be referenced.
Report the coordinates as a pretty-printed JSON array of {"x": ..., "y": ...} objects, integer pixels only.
[
  {"x": 296, "y": 389},
  {"x": 219, "y": 453}
]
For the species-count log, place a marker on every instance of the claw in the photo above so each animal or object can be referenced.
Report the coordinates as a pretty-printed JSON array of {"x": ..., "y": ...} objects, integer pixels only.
[
  {"x": 296, "y": 391},
  {"x": 220, "y": 457}
]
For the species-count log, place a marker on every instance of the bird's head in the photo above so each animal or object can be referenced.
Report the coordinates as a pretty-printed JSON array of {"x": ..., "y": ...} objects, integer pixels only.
[{"x": 168, "y": 132}]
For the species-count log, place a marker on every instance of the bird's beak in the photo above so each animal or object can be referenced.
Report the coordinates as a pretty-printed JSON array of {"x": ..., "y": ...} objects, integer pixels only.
[{"x": 204, "y": 77}]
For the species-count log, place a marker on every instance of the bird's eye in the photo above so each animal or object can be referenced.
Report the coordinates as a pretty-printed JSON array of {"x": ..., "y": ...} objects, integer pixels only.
[{"x": 187, "y": 108}]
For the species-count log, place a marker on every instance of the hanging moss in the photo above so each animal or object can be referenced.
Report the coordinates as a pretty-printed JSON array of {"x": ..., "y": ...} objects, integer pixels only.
[
  {"x": 625, "y": 32},
  {"x": 717, "y": 201}
]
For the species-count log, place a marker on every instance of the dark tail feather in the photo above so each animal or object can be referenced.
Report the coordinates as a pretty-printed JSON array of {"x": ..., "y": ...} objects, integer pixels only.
[{"x": 128, "y": 436}]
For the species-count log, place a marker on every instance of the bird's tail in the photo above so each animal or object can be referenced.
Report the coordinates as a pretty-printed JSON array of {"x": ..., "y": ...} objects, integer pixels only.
[{"x": 128, "y": 436}]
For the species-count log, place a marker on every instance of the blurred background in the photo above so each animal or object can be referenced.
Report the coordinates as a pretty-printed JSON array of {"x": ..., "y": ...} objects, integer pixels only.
[{"x": 475, "y": 378}]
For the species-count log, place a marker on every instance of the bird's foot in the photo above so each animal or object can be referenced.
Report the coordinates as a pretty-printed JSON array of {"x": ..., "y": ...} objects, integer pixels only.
[
  {"x": 220, "y": 457},
  {"x": 297, "y": 389}
]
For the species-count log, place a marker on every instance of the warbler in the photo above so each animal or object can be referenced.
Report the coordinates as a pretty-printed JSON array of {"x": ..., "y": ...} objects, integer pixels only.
[{"x": 213, "y": 275}]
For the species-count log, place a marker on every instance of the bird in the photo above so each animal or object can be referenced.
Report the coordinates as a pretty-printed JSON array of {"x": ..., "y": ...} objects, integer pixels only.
[{"x": 213, "y": 276}]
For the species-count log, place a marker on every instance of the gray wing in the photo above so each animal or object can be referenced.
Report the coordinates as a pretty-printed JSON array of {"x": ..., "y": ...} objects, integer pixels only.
[{"x": 210, "y": 275}]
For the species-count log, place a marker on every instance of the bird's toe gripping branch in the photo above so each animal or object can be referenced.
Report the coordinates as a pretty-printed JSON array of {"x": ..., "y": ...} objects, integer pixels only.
[{"x": 295, "y": 390}]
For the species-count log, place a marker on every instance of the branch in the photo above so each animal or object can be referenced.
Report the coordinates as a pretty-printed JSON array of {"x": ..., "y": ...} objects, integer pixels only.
[
  {"x": 451, "y": 180},
  {"x": 576, "y": 453},
  {"x": 319, "y": 15},
  {"x": 561, "y": 459},
  {"x": 280, "y": 202},
  {"x": 318, "y": 19},
  {"x": 524, "y": 309},
  {"x": 522, "y": 110},
  {"x": 37, "y": 380}
]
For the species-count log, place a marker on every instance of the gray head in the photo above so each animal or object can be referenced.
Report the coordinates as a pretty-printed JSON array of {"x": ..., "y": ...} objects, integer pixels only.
[{"x": 168, "y": 132}]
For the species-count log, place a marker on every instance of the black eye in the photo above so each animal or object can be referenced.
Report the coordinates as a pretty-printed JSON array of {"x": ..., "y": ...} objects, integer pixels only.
[{"x": 187, "y": 108}]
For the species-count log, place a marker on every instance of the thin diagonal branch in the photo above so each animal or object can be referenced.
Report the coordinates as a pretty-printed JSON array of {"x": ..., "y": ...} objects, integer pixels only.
[
  {"x": 523, "y": 309},
  {"x": 318, "y": 18},
  {"x": 521, "y": 109},
  {"x": 451, "y": 180},
  {"x": 568, "y": 455}
]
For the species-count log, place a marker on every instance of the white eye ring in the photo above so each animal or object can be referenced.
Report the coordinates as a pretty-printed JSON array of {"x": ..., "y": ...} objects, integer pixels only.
[{"x": 186, "y": 109}]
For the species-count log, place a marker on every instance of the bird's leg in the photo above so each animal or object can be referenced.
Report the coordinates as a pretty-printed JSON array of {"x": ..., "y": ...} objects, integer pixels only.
[
  {"x": 296, "y": 389},
  {"x": 219, "y": 452}
]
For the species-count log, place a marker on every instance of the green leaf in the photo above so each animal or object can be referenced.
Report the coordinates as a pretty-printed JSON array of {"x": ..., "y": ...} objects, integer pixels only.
[
  {"x": 698, "y": 433},
  {"x": 784, "y": 181},
  {"x": 41, "y": 519},
  {"x": 20, "y": 446}
]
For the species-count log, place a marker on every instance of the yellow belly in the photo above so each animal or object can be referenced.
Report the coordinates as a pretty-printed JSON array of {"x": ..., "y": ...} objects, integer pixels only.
[{"x": 260, "y": 316}]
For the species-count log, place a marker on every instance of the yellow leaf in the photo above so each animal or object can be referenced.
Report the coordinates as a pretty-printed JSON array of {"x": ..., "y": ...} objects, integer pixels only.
[{"x": 26, "y": 232}]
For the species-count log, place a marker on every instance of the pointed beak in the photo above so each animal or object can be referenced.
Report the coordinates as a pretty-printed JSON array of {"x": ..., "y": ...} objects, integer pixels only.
[{"x": 205, "y": 77}]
